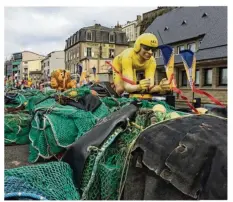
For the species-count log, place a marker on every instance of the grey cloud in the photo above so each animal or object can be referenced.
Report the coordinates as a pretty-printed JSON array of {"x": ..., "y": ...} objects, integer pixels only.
[{"x": 44, "y": 29}]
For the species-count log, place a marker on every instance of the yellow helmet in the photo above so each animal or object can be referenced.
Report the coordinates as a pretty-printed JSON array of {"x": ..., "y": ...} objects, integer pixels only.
[{"x": 147, "y": 39}]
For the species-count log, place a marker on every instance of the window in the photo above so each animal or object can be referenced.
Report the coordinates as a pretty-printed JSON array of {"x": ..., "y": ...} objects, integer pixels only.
[
  {"x": 208, "y": 77},
  {"x": 88, "y": 52},
  {"x": 69, "y": 42},
  {"x": 111, "y": 38},
  {"x": 184, "y": 78},
  {"x": 77, "y": 36},
  {"x": 89, "y": 36},
  {"x": 192, "y": 47},
  {"x": 174, "y": 50},
  {"x": 197, "y": 78},
  {"x": 204, "y": 15},
  {"x": 166, "y": 28},
  {"x": 48, "y": 63},
  {"x": 184, "y": 22},
  {"x": 223, "y": 76},
  {"x": 17, "y": 56},
  {"x": 25, "y": 63},
  {"x": 77, "y": 53},
  {"x": 180, "y": 48},
  {"x": 48, "y": 72},
  {"x": 111, "y": 53},
  {"x": 67, "y": 56},
  {"x": 157, "y": 53}
]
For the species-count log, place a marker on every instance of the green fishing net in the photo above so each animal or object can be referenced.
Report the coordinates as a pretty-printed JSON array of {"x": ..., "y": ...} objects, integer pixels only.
[
  {"x": 54, "y": 180},
  {"x": 16, "y": 128},
  {"x": 54, "y": 127}
]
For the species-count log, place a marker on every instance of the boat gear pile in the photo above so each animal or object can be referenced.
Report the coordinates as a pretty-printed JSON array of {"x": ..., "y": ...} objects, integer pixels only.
[{"x": 92, "y": 144}]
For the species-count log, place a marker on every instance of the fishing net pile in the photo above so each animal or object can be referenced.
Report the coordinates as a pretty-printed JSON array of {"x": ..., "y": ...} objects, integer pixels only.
[
  {"x": 55, "y": 126},
  {"x": 16, "y": 128},
  {"x": 17, "y": 117},
  {"x": 106, "y": 167},
  {"x": 50, "y": 181}
]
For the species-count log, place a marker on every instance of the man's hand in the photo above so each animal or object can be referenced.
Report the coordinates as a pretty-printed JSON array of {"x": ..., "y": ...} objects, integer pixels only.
[
  {"x": 164, "y": 85},
  {"x": 144, "y": 84}
]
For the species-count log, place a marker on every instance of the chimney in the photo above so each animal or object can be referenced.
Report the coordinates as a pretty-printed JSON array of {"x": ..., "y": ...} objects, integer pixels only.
[
  {"x": 118, "y": 26},
  {"x": 97, "y": 25},
  {"x": 139, "y": 18}
]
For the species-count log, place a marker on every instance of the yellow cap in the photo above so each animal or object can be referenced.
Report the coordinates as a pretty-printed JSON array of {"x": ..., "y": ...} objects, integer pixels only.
[{"x": 147, "y": 39}]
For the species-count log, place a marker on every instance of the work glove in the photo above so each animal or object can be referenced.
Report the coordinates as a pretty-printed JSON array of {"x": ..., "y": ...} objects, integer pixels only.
[
  {"x": 164, "y": 86},
  {"x": 144, "y": 84}
]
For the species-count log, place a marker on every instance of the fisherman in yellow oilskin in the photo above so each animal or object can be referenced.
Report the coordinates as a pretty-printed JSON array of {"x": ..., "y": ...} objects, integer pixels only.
[{"x": 135, "y": 62}]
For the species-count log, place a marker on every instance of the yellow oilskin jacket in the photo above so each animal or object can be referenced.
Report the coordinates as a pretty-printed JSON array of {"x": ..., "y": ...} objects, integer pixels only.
[{"x": 129, "y": 64}]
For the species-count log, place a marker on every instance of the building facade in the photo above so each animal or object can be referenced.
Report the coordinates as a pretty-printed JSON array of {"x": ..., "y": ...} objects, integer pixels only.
[
  {"x": 54, "y": 60},
  {"x": 204, "y": 31},
  {"x": 91, "y": 47},
  {"x": 16, "y": 60},
  {"x": 8, "y": 69},
  {"x": 132, "y": 29},
  {"x": 36, "y": 77},
  {"x": 30, "y": 62}
]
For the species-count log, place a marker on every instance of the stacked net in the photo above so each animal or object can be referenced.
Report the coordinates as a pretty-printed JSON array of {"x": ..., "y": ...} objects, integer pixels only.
[
  {"x": 55, "y": 127},
  {"x": 16, "y": 128},
  {"x": 51, "y": 181},
  {"x": 106, "y": 167}
]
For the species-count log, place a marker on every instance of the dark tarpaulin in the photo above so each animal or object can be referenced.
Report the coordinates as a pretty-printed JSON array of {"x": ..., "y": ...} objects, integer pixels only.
[{"x": 184, "y": 158}]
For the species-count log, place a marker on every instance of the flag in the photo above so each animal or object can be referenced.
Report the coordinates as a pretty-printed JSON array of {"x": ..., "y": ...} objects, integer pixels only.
[
  {"x": 169, "y": 59},
  {"x": 189, "y": 61}
]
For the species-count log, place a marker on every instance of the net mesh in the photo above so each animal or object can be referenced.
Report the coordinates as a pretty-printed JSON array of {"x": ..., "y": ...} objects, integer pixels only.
[
  {"x": 16, "y": 128},
  {"x": 54, "y": 127},
  {"x": 53, "y": 181}
]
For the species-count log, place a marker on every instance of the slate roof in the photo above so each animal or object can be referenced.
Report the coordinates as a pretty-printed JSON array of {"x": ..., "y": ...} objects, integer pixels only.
[
  {"x": 213, "y": 27},
  {"x": 100, "y": 27}
]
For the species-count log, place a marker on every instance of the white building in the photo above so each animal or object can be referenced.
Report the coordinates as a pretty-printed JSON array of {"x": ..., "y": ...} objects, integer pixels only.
[
  {"x": 54, "y": 60},
  {"x": 132, "y": 29}
]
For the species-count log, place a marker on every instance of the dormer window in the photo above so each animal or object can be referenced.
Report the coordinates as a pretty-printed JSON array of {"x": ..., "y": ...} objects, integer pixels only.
[
  {"x": 184, "y": 22},
  {"x": 77, "y": 36},
  {"x": 74, "y": 38},
  {"x": 111, "y": 37},
  {"x": 89, "y": 36},
  {"x": 204, "y": 15},
  {"x": 166, "y": 28},
  {"x": 71, "y": 39}
]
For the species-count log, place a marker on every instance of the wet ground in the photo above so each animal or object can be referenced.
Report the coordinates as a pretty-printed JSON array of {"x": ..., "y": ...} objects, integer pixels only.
[{"x": 16, "y": 156}]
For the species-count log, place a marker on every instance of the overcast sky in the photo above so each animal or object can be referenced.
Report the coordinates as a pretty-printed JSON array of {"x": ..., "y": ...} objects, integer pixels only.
[{"x": 45, "y": 29}]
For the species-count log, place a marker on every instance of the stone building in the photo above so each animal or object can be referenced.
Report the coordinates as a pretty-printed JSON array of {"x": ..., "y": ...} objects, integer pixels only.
[{"x": 92, "y": 46}]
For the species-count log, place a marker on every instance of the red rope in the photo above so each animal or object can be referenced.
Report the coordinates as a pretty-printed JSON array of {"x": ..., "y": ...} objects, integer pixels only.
[
  {"x": 122, "y": 77},
  {"x": 216, "y": 101}
]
